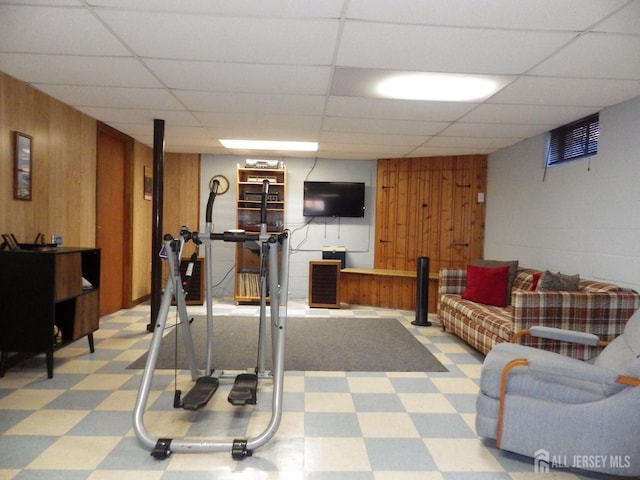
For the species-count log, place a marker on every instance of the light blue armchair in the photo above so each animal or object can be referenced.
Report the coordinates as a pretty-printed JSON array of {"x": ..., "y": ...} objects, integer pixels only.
[{"x": 563, "y": 412}]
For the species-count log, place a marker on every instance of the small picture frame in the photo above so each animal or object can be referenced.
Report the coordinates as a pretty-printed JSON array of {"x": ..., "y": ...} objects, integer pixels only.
[
  {"x": 23, "y": 168},
  {"x": 148, "y": 183}
]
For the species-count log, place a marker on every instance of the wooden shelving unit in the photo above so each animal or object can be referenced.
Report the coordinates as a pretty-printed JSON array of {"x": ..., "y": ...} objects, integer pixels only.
[
  {"x": 249, "y": 189},
  {"x": 42, "y": 291}
]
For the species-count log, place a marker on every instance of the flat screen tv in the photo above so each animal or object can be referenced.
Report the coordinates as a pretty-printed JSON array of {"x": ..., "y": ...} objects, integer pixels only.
[{"x": 333, "y": 199}]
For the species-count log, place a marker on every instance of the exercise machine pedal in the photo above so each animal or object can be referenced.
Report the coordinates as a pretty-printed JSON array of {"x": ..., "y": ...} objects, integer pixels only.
[
  {"x": 244, "y": 388},
  {"x": 200, "y": 393}
]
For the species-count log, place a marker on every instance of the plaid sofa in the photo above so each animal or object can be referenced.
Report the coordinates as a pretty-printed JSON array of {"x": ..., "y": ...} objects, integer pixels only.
[{"x": 598, "y": 308}]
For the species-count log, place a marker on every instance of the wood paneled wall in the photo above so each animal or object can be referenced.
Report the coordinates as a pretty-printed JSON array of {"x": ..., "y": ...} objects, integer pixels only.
[
  {"x": 428, "y": 207},
  {"x": 63, "y": 167},
  {"x": 64, "y": 177}
]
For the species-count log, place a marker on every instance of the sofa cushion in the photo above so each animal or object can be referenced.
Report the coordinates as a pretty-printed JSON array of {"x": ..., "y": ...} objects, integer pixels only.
[
  {"x": 513, "y": 271},
  {"x": 487, "y": 285},
  {"x": 558, "y": 282}
]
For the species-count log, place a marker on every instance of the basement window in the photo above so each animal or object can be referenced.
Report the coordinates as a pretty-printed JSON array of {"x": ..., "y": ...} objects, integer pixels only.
[{"x": 573, "y": 141}]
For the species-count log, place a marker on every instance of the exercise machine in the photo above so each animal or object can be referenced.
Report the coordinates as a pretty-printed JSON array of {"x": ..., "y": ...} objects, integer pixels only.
[{"x": 273, "y": 249}]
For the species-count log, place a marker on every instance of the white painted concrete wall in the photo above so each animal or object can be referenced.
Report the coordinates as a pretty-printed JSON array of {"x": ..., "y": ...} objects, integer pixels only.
[{"x": 584, "y": 217}]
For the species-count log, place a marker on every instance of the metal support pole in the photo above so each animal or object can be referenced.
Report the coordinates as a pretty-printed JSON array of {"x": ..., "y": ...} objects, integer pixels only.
[{"x": 156, "y": 240}]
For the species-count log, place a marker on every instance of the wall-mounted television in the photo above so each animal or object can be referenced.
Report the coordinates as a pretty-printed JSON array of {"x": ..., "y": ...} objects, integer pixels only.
[{"x": 333, "y": 199}]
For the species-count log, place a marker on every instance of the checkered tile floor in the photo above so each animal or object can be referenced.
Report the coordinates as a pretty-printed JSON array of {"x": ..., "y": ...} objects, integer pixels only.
[{"x": 335, "y": 425}]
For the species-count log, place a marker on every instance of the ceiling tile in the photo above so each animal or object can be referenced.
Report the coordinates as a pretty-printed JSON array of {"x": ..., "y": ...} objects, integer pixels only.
[
  {"x": 263, "y": 8},
  {"x": 397, "y": 109},
  {"x": 527, "y": 114},
  {"x": 626, "y": 20},
  {"x": 373, "y": 139},
  {"x": 78, "y": 70},
  {"x": 146, "y": 98},
  {"x": 439, "y": 49},
  {"x": 68, "y": 31},
  {"x": 141, "y": 117},
  {"x": 507, "y": 14},
  {"x": 250, "y": 102},
  {"x": 241, "y": 77},
  {"x": 203, "y": 37},
  {"x": 496, "y": 130},
  {"x": 532, "y": 90},
  {"x": 596, "y": 55},
  {"x": 365, "y": 125}
]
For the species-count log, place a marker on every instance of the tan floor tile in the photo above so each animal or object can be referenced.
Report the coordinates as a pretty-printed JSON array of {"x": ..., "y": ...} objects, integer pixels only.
[
  {"x": 124, "y": 400},
  {"x": 293, "y": 384},
  {"x": 469, "y": 419},
  {"x": 426, "y": 403},
  {"x": 557, "y": 475},
  {"x": 421, "y": 375},
  {"x": 455, "y": 385},
  {"x": 454, "y": 348},
  {"x": 443, "y": 359},
  {"x": 76, "y": 351},
  {"x": 325, "y": 374},
  {"x": 80, "y": 366},
  {"x": 215, "y": 462},
  {"x": 328, "y": 402},
  {"x": 408, "y": 476},
  {"x": 471, "y": 371},
  {"x": 387, "y": 425},
  {"x": 291, "y": 424},
  {"x": 336, "y": 454},
  {"x": 125, "y": 475},
  {"x": 370, "y": 385},
  {"x": 29, "y": 399},
  {"x": 117, "y": 343},
  {"x": 13, "y": 380},
  {"x": 48, "y": 422},
  {"x": 8, "y": 473},
  {"x": 102, "y": 381},
  {"x": 173, "y": 424},
  {"x": 103, "y": 333},
  {"x": 461, "y": 455},
  {"x": 75, "y": 453},
  {"x": 130, "y": 355}
]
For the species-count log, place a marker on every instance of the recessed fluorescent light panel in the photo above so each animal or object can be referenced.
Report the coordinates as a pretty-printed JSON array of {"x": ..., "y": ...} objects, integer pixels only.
[
  {"x": 406, "y": 85},
  {"x": 270, "y": 145},
  {"x": 438, "y": 87}
]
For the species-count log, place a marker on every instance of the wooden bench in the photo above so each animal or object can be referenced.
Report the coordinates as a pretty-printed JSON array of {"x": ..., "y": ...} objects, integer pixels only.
[{"x": 380, "y": 287}]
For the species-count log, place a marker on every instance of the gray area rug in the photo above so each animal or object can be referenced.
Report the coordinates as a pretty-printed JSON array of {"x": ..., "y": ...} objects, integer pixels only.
[{"x": 311, "y": 344}]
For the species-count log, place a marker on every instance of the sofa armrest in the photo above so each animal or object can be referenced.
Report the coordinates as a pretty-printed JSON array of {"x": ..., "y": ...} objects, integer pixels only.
[
  {"x": 552, "y": 333},
  {"x": 452, "y": 280}
]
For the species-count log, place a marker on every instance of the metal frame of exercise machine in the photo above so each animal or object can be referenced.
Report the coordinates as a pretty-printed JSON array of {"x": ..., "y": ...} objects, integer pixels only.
[{"x": 243, "y": 390}]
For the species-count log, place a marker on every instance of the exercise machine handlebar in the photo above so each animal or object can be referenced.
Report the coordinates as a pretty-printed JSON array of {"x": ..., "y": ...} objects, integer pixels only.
[{"x": 212, "y": 198}]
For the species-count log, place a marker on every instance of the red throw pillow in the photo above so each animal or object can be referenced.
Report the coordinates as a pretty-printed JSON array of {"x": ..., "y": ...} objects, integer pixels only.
[
  {"x": 535, "y": 278},
  {"x": 487, "y": 285}
]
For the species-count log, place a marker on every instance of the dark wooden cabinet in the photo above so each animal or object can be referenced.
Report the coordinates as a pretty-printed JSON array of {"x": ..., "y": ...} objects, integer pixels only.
[{"x": 44, "y": 291}]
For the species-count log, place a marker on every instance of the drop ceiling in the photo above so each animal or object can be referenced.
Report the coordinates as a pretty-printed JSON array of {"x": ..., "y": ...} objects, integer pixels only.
[{"x": 295, "y": 69}]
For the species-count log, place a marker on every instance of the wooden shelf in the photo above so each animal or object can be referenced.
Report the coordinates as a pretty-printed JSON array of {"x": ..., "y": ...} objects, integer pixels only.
[{"x": 248, "y": 205}]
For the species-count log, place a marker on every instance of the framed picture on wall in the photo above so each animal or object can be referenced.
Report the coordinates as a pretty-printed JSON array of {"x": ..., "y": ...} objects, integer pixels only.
[
  {"x": 22, "y": 180},
  {"x": 148, "y": 183}
]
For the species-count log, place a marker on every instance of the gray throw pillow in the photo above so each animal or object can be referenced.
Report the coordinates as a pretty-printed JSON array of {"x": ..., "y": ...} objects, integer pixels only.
[{"x": 556, "y": 282}]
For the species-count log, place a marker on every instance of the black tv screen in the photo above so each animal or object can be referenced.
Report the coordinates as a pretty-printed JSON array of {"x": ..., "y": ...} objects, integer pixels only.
[{"x": 333, "y": 199}]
